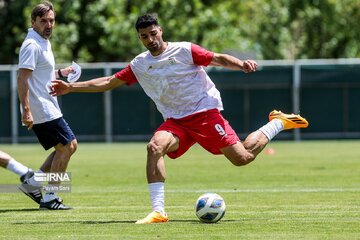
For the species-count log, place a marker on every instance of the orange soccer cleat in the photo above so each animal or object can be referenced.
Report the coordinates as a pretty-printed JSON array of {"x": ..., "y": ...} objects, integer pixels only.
[
  {"x": 153, "y": 217},
  {"x": 289, "y": 121}
]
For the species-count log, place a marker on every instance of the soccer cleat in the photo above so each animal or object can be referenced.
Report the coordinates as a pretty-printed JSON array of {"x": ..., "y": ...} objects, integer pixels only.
[
  {"x": 33, "y": 192},
  {"x": 289, "y": 121},
  {"x": 154, "y": 217},
  {"x": 55, "y": 204}
]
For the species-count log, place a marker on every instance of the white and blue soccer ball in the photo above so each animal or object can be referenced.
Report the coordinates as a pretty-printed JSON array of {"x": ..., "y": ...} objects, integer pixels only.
[{"x": 210, "y": 208}]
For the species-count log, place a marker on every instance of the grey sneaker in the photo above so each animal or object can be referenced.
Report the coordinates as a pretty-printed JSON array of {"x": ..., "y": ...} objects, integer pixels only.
[{"x": 33, "y": 192}]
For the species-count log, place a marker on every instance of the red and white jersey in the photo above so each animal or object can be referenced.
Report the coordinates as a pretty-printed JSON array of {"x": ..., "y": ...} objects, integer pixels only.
[{"x": 175, "y": 80}]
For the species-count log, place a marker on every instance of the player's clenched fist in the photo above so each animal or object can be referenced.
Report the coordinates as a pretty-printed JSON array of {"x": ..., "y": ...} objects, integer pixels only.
[
  {"x": 59, "y": 87},
  {"x": 249, "y": 66}
]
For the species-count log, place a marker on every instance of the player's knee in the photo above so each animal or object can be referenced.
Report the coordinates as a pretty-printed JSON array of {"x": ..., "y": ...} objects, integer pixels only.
[
  {"x": 154, "y": 148},
  {"x": 68, "y": 149},
  {"x": 73, "y": 146}
]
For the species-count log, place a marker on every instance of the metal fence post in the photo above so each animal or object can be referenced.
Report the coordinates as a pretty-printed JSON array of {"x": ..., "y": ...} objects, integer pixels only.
[
  {"x": 108, "y": 111},
  {"x": 296, "y": 94},
  {"x": 14, "y": 106}
]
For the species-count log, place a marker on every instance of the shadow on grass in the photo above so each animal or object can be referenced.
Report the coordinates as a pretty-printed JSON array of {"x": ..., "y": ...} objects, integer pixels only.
[
  {"x": 112, "y": 222},
  {"x": 67, "y": 222},
  {"x": 92, "y": 221},
  {"x": 198, "y": 222},
  {"x": 19, "y": 210}
]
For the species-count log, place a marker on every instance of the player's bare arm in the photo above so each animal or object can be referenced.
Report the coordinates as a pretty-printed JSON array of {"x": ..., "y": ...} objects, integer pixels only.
[
  {"x": 230, "y": 62},
  {"x": 23, "y": 92},
  {"x": 59, "y": 87}
]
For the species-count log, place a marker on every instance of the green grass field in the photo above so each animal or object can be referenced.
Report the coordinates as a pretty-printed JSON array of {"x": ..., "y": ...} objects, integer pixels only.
[{"x": 307, "y": 190}]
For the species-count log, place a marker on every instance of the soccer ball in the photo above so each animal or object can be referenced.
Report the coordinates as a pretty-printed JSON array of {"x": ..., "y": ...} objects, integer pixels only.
[{"x": 210, "y": 208}]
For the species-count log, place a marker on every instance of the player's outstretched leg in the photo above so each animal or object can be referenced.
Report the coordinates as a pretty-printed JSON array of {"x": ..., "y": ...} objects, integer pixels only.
[
  {"x": 243, "y": 153},
  {"x": 153, "y": 217},
  {"x": 289, "y": 121}
]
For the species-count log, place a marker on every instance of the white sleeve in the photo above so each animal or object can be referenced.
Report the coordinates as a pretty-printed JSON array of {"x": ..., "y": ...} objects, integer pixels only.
[{"x": 29, "y": 53}]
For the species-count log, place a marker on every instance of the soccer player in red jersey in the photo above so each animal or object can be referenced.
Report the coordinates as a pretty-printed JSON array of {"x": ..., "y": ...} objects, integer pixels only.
[{"x": 172, "y": 75}]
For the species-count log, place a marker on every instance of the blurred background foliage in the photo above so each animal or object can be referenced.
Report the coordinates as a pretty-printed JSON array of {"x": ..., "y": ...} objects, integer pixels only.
[{"x": 103, "y": 30}]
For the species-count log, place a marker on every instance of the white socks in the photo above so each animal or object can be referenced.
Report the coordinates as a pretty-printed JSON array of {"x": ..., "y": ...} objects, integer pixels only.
[
  {"x": 157, "y": 197},
  {"x": 47, "y": 197},
  {"x": 32, "y": 181},
  {"x": 17, "y": 167},
  {"x": 272, "y": 128}
]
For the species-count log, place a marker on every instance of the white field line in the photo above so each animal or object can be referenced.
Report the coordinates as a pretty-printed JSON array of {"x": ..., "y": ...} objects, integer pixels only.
[
  {"x": 271, "y": 190},
  {"x": 249, "y": 190}
]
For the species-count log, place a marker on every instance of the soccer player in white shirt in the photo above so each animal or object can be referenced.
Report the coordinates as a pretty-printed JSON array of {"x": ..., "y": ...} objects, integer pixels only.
[
  {"x": 40, "y": 110},
  {"x": 172, "y": 75}
]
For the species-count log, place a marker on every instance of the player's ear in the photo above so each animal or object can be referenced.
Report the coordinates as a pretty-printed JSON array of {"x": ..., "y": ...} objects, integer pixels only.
[{"x": 139, "y": 35}]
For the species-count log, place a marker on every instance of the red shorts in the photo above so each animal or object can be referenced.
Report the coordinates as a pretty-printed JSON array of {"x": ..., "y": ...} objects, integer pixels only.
[{"x": 209, "y": 129}]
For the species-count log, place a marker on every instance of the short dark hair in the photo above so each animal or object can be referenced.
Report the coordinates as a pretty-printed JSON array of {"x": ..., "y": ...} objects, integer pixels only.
[
  {"x": 146, "y": 20},
  {"x": 40, "y": 9}
]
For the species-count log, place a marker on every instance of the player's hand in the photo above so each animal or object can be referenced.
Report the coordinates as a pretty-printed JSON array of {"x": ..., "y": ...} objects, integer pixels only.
[
  {"x": 27, "y": 119},
  {"x": 249, "y": 66},
  {"x": 59, "y": 87}
]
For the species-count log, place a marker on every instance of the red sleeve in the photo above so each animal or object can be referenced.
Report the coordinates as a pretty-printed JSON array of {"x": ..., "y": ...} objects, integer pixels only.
[
  {"x": 201, "y": 56},
  {"x": 126, "y": 75}
]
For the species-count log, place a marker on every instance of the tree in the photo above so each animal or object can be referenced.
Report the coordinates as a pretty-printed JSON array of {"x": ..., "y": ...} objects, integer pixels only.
[
  {"x": 103, "y": 31},
  {"x": 11, "y": 29},
  {"x": 325, "y": 28}
]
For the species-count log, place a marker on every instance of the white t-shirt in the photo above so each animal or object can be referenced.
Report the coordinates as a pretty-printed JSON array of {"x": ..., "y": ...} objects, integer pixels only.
[
  {"x": 36, "y": 55},
  {"x": 175, "y": 80}
]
